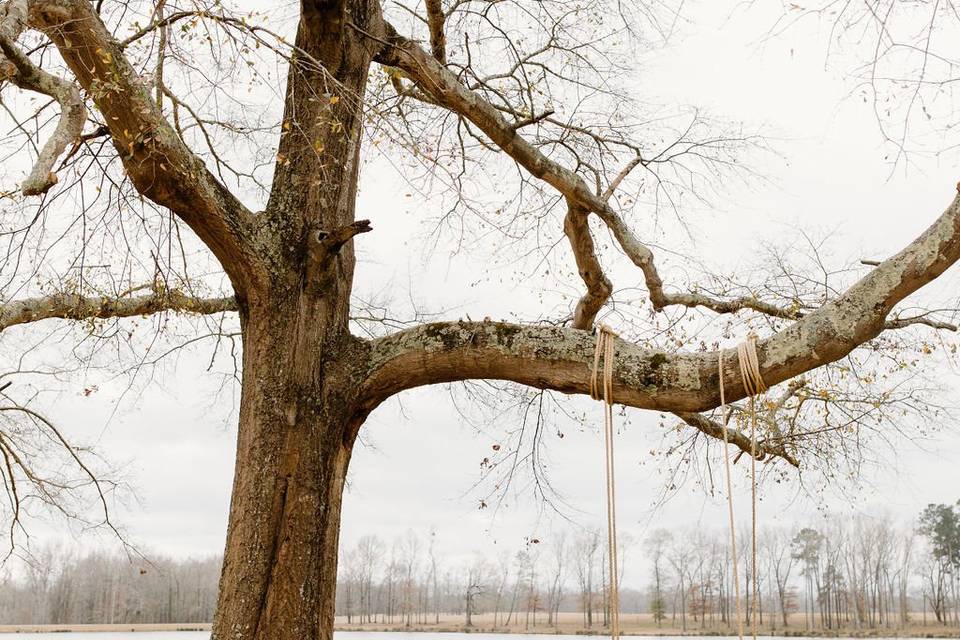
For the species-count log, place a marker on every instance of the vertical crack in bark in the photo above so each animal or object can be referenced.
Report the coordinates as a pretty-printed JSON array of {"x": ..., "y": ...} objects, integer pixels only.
[{"x": 274, "y": 554}]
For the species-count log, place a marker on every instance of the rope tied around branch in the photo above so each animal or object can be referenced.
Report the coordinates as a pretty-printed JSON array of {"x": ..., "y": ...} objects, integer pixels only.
[
  {"x": 753, "y": 385},
  {"x": 602, "y": 389}
]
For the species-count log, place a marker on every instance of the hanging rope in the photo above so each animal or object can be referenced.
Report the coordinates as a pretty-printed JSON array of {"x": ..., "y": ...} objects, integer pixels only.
[
  {"x": 753, "y": 385},
  {"x": 733, "y": 529},
  {"x": 604, "y": 348}
]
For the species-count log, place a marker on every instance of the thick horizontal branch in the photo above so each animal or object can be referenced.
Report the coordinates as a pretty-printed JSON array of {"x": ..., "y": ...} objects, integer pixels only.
[
  {"x": 560, "y": 359},
  {"x": 76, "y": 307},
  {"x": 550, "y": 357}
]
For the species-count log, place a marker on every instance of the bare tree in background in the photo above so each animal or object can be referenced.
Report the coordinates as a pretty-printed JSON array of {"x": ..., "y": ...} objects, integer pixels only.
[
  {"x": 775, "y": 545},
  {"x": 350, "y": 584},
  {"x": 656, "y": 548},
  {"x": 858, "y": 590},
  {"x": 148, "y": 150},
  {"x": 434, "y": 578},
  {"x": 680, "y": 557},
  {"x": 409, "y": 561},
  {"x": 475, "y": 585},
  {"x": 557, "y": 576},
  {"x": 504, "y": 567},
  {"x": 586, "y": 550}
]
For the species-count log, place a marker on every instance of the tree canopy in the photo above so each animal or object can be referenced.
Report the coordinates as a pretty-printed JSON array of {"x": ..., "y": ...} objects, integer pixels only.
[{"x": 201, "y": 159}]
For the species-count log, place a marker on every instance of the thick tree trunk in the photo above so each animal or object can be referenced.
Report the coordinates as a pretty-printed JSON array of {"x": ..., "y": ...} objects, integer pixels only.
[
  {"x": 293, "y": 448},
  {"x": 298, "y": 411}
]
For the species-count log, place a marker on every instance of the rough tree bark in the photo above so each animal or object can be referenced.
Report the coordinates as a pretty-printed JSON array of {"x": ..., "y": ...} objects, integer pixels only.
[
  {"x": 308, "y": 384},
  {"x": 298, "y": 419}
]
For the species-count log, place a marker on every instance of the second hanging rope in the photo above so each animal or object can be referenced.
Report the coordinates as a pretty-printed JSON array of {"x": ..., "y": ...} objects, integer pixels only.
[
  {"x": 601, "y": 388},
  {"x": 753, "y": 386}
]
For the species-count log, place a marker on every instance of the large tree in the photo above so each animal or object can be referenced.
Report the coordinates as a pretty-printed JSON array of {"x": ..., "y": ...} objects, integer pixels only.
[{"x": 144, "y": 123}]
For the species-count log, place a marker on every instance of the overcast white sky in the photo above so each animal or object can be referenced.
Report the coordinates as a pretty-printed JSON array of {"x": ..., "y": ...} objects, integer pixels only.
[{"x": 421, "y": 460}]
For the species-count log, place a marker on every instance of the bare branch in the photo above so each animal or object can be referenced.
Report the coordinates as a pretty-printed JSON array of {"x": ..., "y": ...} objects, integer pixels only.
[
  {"x": 438, "y": 40},
  {"x": 77, "y": 307},
  {"x": 599, "y": 288},
  {"x": 900, "y": 323},
  {"x": 534, "y": 119},
  {"x": 737, "y": 438},
  {"x": 26, "y": 75},
  {"x": 446, "y": 90},
  {"x": 156, "y": 160}
]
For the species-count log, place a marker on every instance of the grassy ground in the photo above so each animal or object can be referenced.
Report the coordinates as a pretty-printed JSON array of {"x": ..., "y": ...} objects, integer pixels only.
[
  {"x": 91, "y": 628},
  {"x": 567, "y": 623}
]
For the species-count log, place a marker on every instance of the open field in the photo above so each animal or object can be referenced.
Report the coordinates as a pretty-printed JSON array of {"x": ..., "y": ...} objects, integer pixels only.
[{"x": 639, "y": 624}]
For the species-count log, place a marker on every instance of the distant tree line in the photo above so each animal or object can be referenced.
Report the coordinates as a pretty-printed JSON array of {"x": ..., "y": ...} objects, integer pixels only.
[
  {"x": 861, "y": 573},
  {"x": 57, "y": 587},
  {"x": 409, "y": 583},
  {"x": 840, "y": 573}
]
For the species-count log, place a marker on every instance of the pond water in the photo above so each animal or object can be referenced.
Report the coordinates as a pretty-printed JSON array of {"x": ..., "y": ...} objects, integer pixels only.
[{"x": 340, "y": 635}]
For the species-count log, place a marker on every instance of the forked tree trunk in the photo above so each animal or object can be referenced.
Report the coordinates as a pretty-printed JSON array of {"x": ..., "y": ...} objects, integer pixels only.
[{"x": 298, "y": 411}]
